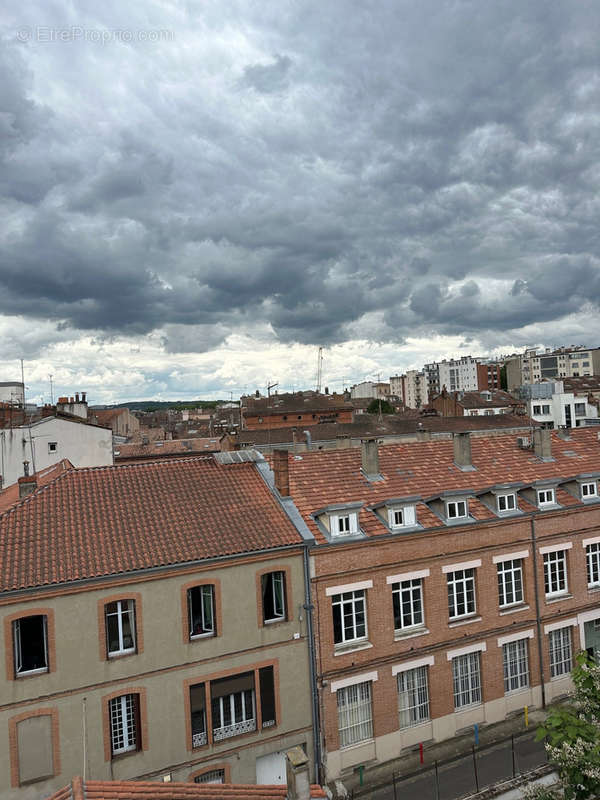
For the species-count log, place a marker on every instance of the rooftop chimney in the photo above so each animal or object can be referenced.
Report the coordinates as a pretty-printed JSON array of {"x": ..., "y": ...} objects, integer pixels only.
[
  {"x": 76, "y": 397},
  {"x": 83, "y": 396},
  {"x": 542, "y": 444},
  {"x": 423, "y": 435},
  {"x": 370, "y": 459},
  {"x": 462, "y": 451},
  {"x": 342, "y": 441},
  {"x": 298, "y": 782},
  {"x": 281, "y": 471},
  {"x": 27, "y": 485}
]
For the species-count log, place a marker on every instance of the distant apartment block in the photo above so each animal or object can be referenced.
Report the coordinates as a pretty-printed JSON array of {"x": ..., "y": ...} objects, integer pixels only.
[
  {"x": 488, "y": 375},
  {"x": 371, "y": 389},
  {"x": 457, "y": 374},
  {"x": 412, "y": 388},
  {"x": 534, "y": 366},
  {"x": 552, "y": 407},
  {"x": 120, "y": 420},
  {"x": 299, "y": 409}
]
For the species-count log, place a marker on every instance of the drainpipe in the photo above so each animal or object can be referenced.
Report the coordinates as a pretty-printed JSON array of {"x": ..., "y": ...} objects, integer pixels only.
[
  {"x": 538, "y": 620},
  {"x": 316, "y": 728}
]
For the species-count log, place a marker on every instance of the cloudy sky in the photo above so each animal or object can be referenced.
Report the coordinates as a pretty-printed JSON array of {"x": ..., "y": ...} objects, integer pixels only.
[{"x": 197, "y": 195}]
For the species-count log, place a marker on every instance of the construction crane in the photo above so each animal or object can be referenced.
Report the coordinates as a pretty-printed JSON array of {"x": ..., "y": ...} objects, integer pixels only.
[
  {"x": 269, "y": 387},
  {"x": 319, "y": 370}
]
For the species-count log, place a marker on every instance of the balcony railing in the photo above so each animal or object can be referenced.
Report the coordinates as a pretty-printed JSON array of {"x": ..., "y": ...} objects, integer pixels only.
[
  {"x": 236, "y": 729},
  {"x": 199, "y": 739}
]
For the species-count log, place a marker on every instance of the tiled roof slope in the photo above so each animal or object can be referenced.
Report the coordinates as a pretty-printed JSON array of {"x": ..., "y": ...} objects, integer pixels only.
[
  {"x": 105, "y": 520},
  {"x": 150, "y": 790},
  {"x": 10, "y": 495},
  {"x": 164, "y": 449},
  {"x": 390, "y": 425},
  {"x": 322, "y": 478},
  {"x": 498, "y": 398}
]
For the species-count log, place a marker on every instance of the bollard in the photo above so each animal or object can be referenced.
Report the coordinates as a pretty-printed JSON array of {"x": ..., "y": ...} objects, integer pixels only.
[
  {"x": 476, "y": 732},
  {"x": 421, "y": 759},
  {"x": 361, "y": 771},
  {"x": 526, "y": 716}
]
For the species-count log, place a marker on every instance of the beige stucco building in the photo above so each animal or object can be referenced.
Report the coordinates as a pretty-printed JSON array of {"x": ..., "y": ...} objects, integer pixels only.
[{"x": 153, "y": 625}]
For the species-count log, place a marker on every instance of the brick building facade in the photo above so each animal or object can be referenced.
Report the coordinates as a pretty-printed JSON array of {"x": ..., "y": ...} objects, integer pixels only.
[{"x": 431, "y": 562}]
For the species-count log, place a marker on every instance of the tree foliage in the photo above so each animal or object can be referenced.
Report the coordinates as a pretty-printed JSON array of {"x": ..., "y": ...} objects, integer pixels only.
[
  {"x": 572, "y": 734},
  {"x": 386, "y": 408}
]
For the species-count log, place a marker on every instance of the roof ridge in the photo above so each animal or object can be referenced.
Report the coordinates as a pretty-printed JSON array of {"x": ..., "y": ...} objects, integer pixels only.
[{"x": 22, "y": 500}]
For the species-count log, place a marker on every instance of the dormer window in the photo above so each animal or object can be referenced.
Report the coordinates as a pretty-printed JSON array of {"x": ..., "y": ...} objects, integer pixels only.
[
  {"x": 589, "y": 490},
  {"x": 344, "y": 524},
  {"x": 545, "y": 497},
  {"x": 403, "y": 517},
  {"x": 456, "y": 509},
  {"x": 506, "y": 502}
]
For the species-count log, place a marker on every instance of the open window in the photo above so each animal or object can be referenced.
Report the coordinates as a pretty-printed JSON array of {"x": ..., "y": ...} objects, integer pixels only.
[
  {"x": 124, "y": 712},
  {"x": 201, "y": 611},
  {"x": 120, "y": 628},
  {"x": 233, "y": 706},
  {"x": 30, "y": 637},
  {"x": 273, "y": 596},
  {"x": 198, "y": 714}
]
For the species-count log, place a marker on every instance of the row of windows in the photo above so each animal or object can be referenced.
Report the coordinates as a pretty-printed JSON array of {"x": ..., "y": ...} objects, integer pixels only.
[
  {"x": 350, "y": 613},
  {"x": 344, "y": 524},
  {"x": 354, "y": 703},
  {"x": 30, "y": 633}
]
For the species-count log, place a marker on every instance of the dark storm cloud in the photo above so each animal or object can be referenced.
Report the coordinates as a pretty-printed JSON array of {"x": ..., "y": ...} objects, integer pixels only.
[{"x": 434, "y": 162}]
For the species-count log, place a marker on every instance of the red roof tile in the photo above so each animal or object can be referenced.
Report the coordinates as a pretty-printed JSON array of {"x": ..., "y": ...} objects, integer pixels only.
[
  {"x": 10, "y": 495},
  {"x": 166, "y": 448},
  {"x": 322, "y": 478},
  {"x": 151, "y": 790},
  {"x": 104, "y": 520}
]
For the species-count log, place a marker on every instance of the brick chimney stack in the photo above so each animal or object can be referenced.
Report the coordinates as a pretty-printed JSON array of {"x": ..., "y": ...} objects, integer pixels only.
[
  {"x": 369, "y": 449},
  {"x": 462, "y": 451},
  {"x": 281, "y": 471}
]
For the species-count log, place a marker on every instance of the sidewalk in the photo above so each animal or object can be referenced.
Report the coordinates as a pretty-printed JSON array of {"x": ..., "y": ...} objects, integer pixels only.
[{"x": 381, "y": 775}]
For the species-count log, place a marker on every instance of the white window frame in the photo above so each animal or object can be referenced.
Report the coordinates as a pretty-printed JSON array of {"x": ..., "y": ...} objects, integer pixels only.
[
  {"x": 355, "y": 714},
  {"x": 560, "y": 643},
  {"x": 589, "y": 489},
  {"x": 515, "y": 665},
  {"x": 120, "y": 614},
  {"x": 407, "y": 515},
  {"x": 455, "y": 505},
  {"x": 461, "y": 582},
  {"x": 546, "y": 497},
  {"x": 592, "y": 558},
  {"x": 409, "y": 592},
  {"x": 123, "y": 712},
  {"x": 209, "y": 629},
  {"x": 466, "y": 680},
  {"x": 507, "y": 584},
  {"x": 506, "y": 499},
  {"x": 343, "y": 524},
  {"x": 413, "y": 696},
  {"x": 555, "y": 562},
  {"x": 356, "y": 603}
]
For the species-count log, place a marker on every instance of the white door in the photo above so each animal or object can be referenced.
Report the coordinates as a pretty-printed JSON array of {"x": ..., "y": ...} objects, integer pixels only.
[{"x": 271, "y": 769}]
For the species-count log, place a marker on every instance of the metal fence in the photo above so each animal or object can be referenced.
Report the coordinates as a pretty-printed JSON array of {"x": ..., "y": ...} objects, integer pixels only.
[{"x": 467, "y": 773}]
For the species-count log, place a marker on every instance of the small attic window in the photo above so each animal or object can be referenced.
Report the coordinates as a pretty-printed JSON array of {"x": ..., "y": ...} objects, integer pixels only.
[
  {"x": 456, "y": 509},
  {"x": 506, "y": 502},
  {"x": 589, "y": 490},
  {"x": 343, "y": 524},
  {"x": 403, "y": 517},
  {"x": 545, "y": 497},
  {"x": 52, "y": 447}
]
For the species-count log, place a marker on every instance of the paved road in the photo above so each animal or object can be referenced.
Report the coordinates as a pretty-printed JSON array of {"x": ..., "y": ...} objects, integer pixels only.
[{"x": 457, "y": 779}]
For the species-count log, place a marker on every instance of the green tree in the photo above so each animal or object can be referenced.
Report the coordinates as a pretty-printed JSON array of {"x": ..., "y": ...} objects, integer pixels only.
[
  {"x": 386, "y": 408},
  {"x": 572, "y": 733}
]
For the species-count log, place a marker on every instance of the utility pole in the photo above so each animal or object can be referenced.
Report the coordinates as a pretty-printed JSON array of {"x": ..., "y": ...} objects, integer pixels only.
[
  {"x": 319, "y": 370},
  {"x": 51, "y": 391}
]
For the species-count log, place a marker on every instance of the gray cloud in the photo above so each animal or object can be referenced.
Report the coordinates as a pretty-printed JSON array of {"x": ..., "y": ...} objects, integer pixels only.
[{"x": 434, "y": 163}]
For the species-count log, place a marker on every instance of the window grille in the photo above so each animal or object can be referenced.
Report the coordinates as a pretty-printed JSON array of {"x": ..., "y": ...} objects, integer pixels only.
[
  {"x": 355, "y": 714},
  {"x": 123, "y": 723},
  {"x": 561, "y": 653},
  {"x": 516, "y": 665},
  {"x": 413, "y": 697},
  {"x": 466, "y": 679}
]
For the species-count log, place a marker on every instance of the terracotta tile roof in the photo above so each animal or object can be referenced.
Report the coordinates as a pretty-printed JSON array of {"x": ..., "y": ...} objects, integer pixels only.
[
  {"x": 153, "y": 790},
  {"x": 166, "y": 448},
  {"x": 390, "y": 425},
  {"x": 499, "y": 399},
  {"x": 104, "y": 520},
  {"x": 297, "y": 403},
  {"x": 10, "y": 495},
  {"x": 590, "y": 383},
  {"x": 322, "y": 478}
]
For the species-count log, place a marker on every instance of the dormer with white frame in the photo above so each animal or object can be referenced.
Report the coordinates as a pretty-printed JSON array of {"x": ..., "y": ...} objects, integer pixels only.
[
  {"x": 584, "y": 487},
  {"x": 399, "y": 514},
  {"x": 502, "y": 499},
  {"x": 340, "y": 521},
  {"x": 452, "y": 507},
  {"x": 542, "y": 494}
]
